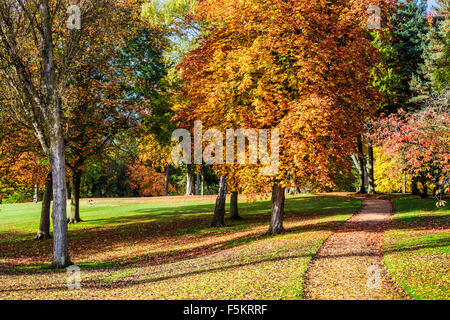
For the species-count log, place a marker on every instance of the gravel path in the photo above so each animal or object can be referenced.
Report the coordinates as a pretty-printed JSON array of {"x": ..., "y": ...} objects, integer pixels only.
[{"x": 350, "y": 265}]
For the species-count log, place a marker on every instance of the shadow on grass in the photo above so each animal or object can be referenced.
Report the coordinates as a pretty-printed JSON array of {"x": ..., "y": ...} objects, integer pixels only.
[
  {"x": 128, "y": 283},
  {"x": 149, "y": 229}
]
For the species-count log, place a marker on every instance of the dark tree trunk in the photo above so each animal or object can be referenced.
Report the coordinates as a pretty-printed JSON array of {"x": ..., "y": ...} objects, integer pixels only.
[
  {"x": 276, "y": 220},
  {"x": 414, "y": 188},
  {"x": 219, "y": 212},
  {"x": 69, "y": 191},
  {"x": 370, "y": 168},
  {"x": 44, "y": 225},
  {"x": 362, "y": 189},
  {"x": 424, "y": 183},
  {"x": 203, "y": 185},
  {"x": 234, "y": 212},
  {"x": 197, "y": 185},
  {"x": 166, "y": 182},
  {"x": 404, "y": 183},
  {"x": 74, "y": 216}
]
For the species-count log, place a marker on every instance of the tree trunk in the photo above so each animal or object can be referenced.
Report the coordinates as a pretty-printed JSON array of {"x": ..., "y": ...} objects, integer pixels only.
[
  {"x": 197, "y": 185},
  {"x": 219, "y": 212},
  {"x": 166, "y": 182},
  {"x": 234, "y": 212},
  {"x": 404, "y": 183},
  {"x": 59, "y": 214},
  {"x": 203, "y": 185},
  {"x": 74, "y": 216},
  {"x": 370, "y": 168},
  {"x": 362, "y": 189},
  {"x": 36, "y": 194},
  {"x": 189, "y": 184},
  {"x": 414, "y": 188},
  {"x": 424, "y": 183},
  {"x": 69, "y": 191},
  {"x": 44, "y": 225},
  {"x": 276, "y": 220}
]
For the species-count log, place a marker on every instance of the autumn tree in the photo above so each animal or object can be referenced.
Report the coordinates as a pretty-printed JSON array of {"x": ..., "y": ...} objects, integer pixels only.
[
  {"x": 40, "y": 44},
  {"x": 23, "y": 166},
  {"x": 97, "y": 105},
  {"x": 151, "y": 85},
  {"x": 300, "y": 67},
  {"x": 418, "y": 142}
]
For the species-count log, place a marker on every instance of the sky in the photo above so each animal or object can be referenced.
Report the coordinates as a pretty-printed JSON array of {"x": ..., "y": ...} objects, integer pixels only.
[{"x": 431, "y": 3}]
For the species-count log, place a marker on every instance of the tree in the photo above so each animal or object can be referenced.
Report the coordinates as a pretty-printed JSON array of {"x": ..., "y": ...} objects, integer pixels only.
[
  {"x": 151, "y": 85},
  {"x": 23, "y": 166},
  {"x": 255, "y": 68},
  {"x": 97, "y": 104},
  {"x": 219, "y": 211},
  {"x": 37, "y": 52},
  {"x": 411, "y": 31},
  {"x": 419, "y": 143},
  {"x": 437, "y": 56},
  {"x": 44, "y": 224},
  {"x": 400, "y": 76},
  {"x": 172, "y": 19}
]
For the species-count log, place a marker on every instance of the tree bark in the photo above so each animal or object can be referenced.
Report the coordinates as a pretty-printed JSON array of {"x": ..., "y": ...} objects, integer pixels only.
[
  {"x": 414, "y": 188},
  {"x": 234, "y": 212},
  {"x": 362, "y": 189},
  {"x": 197, "y": 184},
  {"x": 74, "y": 216},
  {"x": 276, "y": 220},
  {"x": 370, "y": 169},
  {"x": 189, "y": 184},
  {"x": 203, "y": 185},
  {"x": 166, "y": 182},
  {"x": 44, "y": 225},
  {"x": 36, "y": 194},
  {"x": 59, "y": 214},
  {"x": 404, "y": 183},
  {"x": 424, "y": 183},
  {"x": 219, "y": 212}
]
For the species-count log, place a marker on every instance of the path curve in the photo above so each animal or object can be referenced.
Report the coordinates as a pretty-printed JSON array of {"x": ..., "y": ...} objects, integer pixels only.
[{"x": 350, "y": 264}]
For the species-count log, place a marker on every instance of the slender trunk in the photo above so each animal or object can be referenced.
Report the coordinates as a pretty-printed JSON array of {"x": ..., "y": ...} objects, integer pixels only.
[
  {"x": 404, "y": 183},
  {"x": 370, "y": 169},
  {"x": 69, "y": 191},
  {"x": 424, "y": 183},
  {"x": 203, "y": 185},
  {"x": 36, "y": 194},
  {"x": 74, "y": 216},
  {"x": 197, "y": 185},
  {"x": 44, "y": 225},
  {"x": 276, "y": 220},
  {"x": 362, "y": 189},
  {"x": 189, "y": 184},
  {"x": 219, "y": 212},
  {"x": 414, "y": 188},
  {"x": 166, "y": 182},
  {"x": 59, "y": 214},
  {"x": 234, "y": 212}
]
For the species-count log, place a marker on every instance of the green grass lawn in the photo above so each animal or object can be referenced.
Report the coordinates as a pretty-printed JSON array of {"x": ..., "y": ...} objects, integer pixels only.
[
  {"x": 417, "y": 247},
  {"x": 163, "y": 248}
]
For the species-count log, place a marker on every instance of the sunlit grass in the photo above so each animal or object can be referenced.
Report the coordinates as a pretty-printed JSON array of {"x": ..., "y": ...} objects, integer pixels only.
[
  {"x": 417, "y": 248},
  {"x": 164, "y": 248}
]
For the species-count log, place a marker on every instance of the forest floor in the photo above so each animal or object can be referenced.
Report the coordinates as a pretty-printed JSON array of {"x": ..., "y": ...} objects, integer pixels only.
[{"x": 163, "y": 248}]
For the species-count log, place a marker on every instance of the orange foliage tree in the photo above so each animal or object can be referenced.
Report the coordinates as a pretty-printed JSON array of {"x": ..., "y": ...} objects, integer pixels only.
[{"x": 302, "y": 67}]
